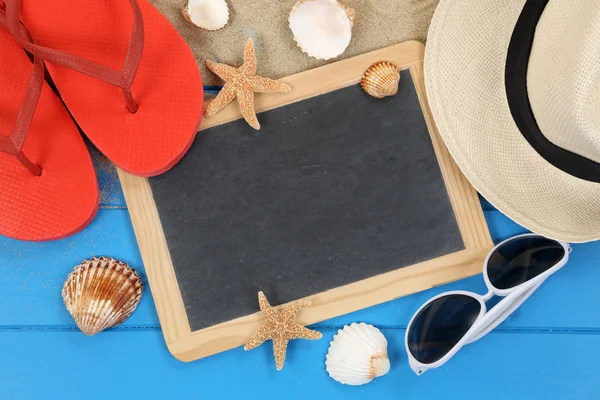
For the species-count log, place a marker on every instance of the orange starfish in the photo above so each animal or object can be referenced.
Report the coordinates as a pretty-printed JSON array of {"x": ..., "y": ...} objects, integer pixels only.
[
  {"x": 242, "y": 82},
  {"x": 280, "y": 328}
]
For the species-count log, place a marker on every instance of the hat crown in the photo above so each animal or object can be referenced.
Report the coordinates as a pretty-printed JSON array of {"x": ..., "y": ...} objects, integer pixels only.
[{"x": 563, "y": 77}]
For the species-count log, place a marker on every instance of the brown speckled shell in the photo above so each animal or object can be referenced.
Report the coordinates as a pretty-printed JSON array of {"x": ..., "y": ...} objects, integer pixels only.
[
  {"x": 101, "y": 293},
  {"x": 381, "y": 79}
]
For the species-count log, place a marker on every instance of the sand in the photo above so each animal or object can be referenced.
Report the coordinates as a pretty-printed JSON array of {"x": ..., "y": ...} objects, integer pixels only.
[{"x": 379, "y": 23}]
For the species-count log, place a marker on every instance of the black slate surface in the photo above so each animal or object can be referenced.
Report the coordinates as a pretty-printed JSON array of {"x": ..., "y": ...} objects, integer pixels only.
[{"x": 331, "y": 190}]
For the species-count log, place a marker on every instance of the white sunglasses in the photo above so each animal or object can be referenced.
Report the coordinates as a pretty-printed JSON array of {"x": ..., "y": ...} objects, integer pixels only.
[{"x": 513, "y": 269}]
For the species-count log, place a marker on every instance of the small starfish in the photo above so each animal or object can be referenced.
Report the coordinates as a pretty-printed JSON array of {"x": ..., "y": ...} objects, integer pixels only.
[
  {"x": 242, "y": 82},
  {"x": 280, "y": 328}
]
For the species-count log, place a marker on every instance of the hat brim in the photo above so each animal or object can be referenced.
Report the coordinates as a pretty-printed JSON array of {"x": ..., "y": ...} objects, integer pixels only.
[{"x": 464, "y": 76}]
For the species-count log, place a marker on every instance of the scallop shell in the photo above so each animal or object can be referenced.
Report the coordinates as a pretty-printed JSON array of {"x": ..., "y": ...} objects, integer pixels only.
[
  {"x": 381, "y": 79},
  {"x": 101, "y": 293},
  {"x": 322, "y": 28},
  {"x": 357, "y": 355},
  {"x": 210, "y": 15}
]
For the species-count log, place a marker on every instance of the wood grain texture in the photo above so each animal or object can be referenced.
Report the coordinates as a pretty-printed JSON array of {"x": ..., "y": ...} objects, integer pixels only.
[
  {"x": 155, "y": 254},
  {"x": 463, "y": 197},
  {"x": 187, "y": 345},
  {"x": 503, "y": 365},
  {"x": 32, "y": 276},
  {"x": 535, "y": 349},
  {"x": 338, "y": 301},
  {"x": 322, "y": 80}
]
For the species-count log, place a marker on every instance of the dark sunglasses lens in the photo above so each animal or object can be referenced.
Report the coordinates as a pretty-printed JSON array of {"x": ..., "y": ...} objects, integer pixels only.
[
  {"x": 440, "y": 325},
  {"x": 522, "y": 259}
]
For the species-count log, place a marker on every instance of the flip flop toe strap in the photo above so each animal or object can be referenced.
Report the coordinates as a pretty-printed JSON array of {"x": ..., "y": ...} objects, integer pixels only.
[
  {"x": 13, "y": 144},
  {"x": 122, "y": 78}
]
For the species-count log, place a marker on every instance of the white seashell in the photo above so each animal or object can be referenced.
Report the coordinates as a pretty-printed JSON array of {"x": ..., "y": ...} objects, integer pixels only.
[
  {"x": 101, "y": 293},
  {"x": 357, "y": 354},
  {"x": 207, "y": 14},
  {"x": 322, "y": 28}
]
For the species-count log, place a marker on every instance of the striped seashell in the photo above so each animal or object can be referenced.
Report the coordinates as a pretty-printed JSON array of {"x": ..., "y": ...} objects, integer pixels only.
[
  {"x": 381, "y": 79},
  {"x": 101, "y": 293}
]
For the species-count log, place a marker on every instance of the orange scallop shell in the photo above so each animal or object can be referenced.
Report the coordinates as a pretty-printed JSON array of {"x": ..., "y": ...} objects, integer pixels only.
[
  {"x": 101, "y": 293},
  {"x": 381, "y": 79}
]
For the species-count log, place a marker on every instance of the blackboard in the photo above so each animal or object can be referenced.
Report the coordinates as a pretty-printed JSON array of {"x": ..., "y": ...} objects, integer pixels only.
[{"x": 334, "y": 190}]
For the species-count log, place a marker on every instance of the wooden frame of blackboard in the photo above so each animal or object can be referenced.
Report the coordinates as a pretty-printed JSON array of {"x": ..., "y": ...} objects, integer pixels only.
[{"x": 187, "y": 345}]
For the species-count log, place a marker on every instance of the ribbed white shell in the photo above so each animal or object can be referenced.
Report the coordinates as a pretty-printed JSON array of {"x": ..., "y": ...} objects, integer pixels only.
[{"x": 357, "y": 354}]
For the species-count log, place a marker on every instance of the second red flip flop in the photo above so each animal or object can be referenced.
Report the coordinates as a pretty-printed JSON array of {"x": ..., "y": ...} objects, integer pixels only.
[
  {"x": 127, "y": 76},
  {"x": 48, "y": 187}
]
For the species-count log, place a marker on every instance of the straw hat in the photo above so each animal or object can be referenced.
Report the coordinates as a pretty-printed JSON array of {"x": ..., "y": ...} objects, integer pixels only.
[{"x": 514, "y": 86}]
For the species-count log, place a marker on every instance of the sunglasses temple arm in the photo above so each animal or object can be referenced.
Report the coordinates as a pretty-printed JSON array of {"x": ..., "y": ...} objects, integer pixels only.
[{"x": 500, "y": 312}]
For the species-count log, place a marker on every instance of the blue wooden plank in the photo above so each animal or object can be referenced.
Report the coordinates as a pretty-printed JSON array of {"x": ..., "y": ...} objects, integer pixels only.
[
  {"x": 32, "y": 275},
  {"x": 501, "y": 227},
  {"x": 115, "y": 365},
  {"x": 562, "y": 302}
]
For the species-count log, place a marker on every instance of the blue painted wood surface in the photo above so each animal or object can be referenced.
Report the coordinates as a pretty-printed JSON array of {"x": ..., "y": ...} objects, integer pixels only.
[{"x": 546, "y": 350}]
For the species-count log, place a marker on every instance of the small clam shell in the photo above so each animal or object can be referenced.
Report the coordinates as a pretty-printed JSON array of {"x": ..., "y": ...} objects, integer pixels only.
[
  {"x": 322, "y": 28},
  {"x": 101, "y": 293},
  {"x": 357, "y": 354},
  {"x": 210, "y": 15},
  {"x": 381, "y": 79}
]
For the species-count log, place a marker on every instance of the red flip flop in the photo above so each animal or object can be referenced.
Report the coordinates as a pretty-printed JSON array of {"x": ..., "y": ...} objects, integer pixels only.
[
  {"x": 127, "y": 76},
  {"x": 48, "y": 187}
]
